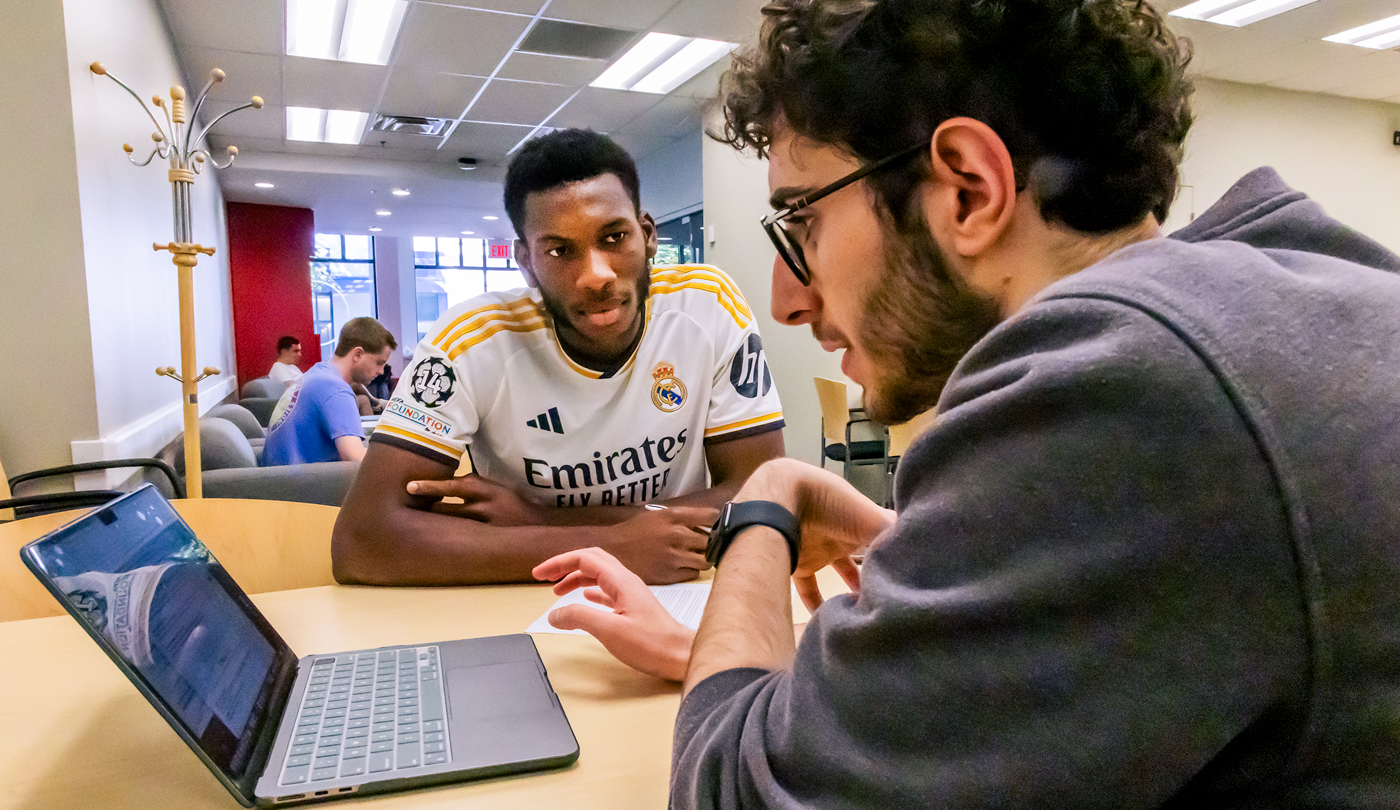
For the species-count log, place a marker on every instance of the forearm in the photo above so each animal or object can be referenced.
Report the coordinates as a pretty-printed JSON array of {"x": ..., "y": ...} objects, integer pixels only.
[
  {"x": 408, "y": 546},
  {"x": 748, "y": 619}
]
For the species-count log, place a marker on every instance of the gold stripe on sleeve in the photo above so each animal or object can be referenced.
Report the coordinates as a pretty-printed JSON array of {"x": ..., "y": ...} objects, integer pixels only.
[
  {"x": 757, "y": 420},
  {"x": 414, "y": 437}
]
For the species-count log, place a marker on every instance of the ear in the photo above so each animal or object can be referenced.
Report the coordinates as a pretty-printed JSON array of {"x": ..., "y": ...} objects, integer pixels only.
[
  {"x": 522, "y": 258},
  {"x": 649, "y": 231},
  {"x": 974, "y": 196}
]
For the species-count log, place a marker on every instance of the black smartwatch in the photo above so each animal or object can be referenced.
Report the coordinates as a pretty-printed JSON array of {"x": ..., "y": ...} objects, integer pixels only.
[{"x": 740, "y": 515}]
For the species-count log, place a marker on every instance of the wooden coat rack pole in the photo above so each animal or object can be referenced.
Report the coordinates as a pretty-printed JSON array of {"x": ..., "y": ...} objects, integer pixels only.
[{"x": 173, "y": 142}]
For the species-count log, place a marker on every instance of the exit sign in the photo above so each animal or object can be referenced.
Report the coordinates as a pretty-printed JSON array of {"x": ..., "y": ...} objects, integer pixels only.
[{"x": 500, "y": 251}]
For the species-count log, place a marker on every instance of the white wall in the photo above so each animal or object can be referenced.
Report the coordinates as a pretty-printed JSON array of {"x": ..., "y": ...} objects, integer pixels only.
[
  {"x": 671, "y": 178},
  {"x": 43, "y": 296},
  {"x": 1337, "y": 150},
  {"x": 736, "y": 198}
]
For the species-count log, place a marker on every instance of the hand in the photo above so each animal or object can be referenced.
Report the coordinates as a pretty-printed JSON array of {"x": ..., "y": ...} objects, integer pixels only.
[
  {"x": 665, "y": 545},
  {"x": 639, "y": 632},
  {"x": 486, "y": 501},
  {"x": 837, "y": 520}
]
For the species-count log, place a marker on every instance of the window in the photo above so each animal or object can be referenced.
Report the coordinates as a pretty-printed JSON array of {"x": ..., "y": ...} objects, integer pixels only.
[
  {"x": 450, "y": 270},
  {"x": 681, "y": 240},
  {"x": 342, "y": 283}
]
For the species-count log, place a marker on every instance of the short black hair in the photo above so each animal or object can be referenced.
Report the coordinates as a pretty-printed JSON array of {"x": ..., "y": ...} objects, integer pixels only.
[
  {"x": 286, "y": 342},
  {"x": 1090, "y": 96},
  {"x": 565, "y": 156}
]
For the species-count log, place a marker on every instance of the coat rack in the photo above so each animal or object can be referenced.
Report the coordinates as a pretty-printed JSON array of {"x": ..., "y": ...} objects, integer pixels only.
[{"x": 173, "y": 142}]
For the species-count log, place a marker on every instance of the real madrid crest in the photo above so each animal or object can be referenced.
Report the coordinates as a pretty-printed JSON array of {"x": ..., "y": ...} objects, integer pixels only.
[{"x": 668, "y": 393}]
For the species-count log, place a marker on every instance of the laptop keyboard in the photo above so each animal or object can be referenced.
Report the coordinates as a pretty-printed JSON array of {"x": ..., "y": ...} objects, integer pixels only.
[{"x": 367, "y": 713}]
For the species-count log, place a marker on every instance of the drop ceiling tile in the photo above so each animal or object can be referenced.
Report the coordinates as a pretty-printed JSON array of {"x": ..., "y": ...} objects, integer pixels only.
[
  {"x": 485, "y": 142},
  {"x": 640, "y": 146},
  {"x": 1370, "y": 65},
  {"x": 725, "y": 20},
  {"x": 1233, "y": 47},
  {"x": 1323, "y": 19},
  {"x": 507, "y": 102},
  {"x": 603, "y": 110},
  {"x": 529, "y": 7},
  {"x": 1377, "y": 88},
  {"x": 671, "y": 117},
  {"x": 252, "y": 26},
  {"x": 246, "y": 145},
  {"x": 1195, "y": 30},
  {"x": 432, "y": 95},
  {"x": 332, "y": 85},
  {"x": 1303, "y": 57},
  {"x": 270, "y": 122},
  {"x": 393, "y": 141},
  {"x": 446, "y": 39},
  {"x": 637, "y": 15},
  {"x": 247, "y": 74},
  {"x": 535, "y": 67}
]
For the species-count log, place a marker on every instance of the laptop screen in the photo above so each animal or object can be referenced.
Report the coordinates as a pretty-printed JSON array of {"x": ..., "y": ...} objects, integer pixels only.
[{"x": 158, "y": 600}]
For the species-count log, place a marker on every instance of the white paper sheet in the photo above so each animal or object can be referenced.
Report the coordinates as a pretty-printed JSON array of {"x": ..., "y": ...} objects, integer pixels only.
[{"x": 684, "y": 601}]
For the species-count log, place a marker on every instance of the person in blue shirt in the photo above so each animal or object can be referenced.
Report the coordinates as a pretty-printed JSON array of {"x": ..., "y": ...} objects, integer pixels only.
[{"x": 317, "y": 419}]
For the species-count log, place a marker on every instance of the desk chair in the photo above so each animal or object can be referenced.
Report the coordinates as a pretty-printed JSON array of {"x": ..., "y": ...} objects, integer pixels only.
[
  {"x": 32, "y": 505},
  {"x": 901, "y": 436},
  {"x": 836, "y": 430},
  {"x": 264, "y": 545}
]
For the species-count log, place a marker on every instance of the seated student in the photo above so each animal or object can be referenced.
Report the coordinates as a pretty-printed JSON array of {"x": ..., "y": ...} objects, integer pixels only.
[
  {"x": 605, "y": 386},
  {"x": 286, "y": 370},
  {"x": 317, "y": 419}
]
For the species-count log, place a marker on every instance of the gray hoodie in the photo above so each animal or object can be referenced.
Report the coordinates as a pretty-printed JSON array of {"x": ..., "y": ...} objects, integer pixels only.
[{"x": 1149, "y": 555}]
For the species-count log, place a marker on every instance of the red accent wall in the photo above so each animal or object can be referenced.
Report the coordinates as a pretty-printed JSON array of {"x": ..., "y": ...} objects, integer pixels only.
[{"x": 269, "y": 254}]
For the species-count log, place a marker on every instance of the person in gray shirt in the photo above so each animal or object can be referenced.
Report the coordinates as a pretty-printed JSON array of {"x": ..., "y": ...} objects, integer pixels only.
[{"x": 1148, "y": 554}]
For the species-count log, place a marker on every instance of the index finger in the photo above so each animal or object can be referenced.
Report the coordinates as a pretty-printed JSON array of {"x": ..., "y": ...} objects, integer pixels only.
[
  {"x": 446, "y": 488},
  {"x": 592, "y": 563}
]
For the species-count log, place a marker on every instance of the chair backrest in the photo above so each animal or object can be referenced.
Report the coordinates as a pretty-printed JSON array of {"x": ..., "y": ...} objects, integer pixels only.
[
  {"x": 264, "y": 545},
  {"x": 263, "y": 387},
  {"x": 835, "y": 413},
  {"x": 901, "y": 436},
  {"x": 241, "y": 417},
  {"x": 221, "y": 446}
]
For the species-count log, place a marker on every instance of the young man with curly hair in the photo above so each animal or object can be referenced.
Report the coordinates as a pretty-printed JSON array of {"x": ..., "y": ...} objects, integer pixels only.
[{"x": 1147, "y": 554}]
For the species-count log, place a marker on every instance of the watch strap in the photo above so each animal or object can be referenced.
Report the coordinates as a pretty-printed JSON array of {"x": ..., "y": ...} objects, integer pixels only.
[{"x": 740, "y": 515}]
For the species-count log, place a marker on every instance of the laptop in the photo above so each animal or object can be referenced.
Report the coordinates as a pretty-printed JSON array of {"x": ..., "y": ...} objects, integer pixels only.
[{"x": 278, "y": 729}]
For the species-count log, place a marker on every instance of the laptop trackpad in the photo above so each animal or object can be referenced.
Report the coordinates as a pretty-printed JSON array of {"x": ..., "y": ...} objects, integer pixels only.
[{"x": 497, "y": 690}]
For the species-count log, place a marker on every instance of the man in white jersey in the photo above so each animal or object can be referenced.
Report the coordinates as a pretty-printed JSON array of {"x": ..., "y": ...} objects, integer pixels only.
[{"x": 605, "y": 386}]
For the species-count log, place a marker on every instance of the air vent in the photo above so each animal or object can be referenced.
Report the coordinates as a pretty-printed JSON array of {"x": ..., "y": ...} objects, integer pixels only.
[
  {"x": 557, "y": 38},
  {"x": 409, "y": 124}
]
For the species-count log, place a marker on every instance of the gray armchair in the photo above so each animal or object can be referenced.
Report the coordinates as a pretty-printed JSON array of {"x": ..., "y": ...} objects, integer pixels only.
[
  {"x": 263, "y": 388},
  {"x": 230, "y": 470}
]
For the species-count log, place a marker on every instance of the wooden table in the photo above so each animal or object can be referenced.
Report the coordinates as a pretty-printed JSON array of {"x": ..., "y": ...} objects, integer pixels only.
[{"x": 75, "y": 734}]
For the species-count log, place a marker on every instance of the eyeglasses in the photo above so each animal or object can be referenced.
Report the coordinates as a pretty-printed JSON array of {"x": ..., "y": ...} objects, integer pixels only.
[{"x": 775, "y": 224}]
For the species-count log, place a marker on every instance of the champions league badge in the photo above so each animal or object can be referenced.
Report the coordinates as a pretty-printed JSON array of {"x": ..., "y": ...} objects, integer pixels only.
[
  {"x": 668, "y": 394},
  {"x": 432, "y": 382}
]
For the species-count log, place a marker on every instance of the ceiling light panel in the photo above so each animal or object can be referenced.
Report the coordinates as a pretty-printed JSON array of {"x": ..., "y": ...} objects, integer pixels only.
[
  {"x": 1380, "y": 34},
  {"x": 661, "y": 62},
  {"x": 348, "y": 30},
  {"x": 325, "y": 126},
  {"x": 1236, "y": 13}
]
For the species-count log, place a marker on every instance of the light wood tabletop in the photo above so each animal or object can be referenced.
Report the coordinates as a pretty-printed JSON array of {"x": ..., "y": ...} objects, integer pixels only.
[{"x": 75, "y": 734}]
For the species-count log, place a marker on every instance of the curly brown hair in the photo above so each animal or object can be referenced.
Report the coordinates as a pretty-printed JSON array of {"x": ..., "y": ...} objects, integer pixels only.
[{"x": 1089, "y": 96}]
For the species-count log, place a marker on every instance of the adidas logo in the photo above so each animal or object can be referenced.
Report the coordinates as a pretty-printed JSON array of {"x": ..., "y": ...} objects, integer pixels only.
[{"x": 547, "y": 421}]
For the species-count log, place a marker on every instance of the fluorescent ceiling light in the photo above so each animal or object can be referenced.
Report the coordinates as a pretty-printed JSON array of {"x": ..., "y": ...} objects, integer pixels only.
[
  {"x": 661, "y": 62},
  {"x": 347, "y": 30},
  {"x": 491, "y": 218},
  {"x": 1237, "y": 12},
  {"x": 376, "y": 229},
  {"x": 383, "y": 213},
  {"x": 400, "y": 192},
  {"x": 263, "y": 185},
  {"x": 1380, "y": 34},
  {"x": 468, "y": 233},
  {"x": 328, "y": 126}
]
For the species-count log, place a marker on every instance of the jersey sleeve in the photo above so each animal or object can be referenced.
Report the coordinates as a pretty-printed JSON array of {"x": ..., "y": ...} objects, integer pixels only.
[
  {"x": 431, "y": 412},
  {"x": 743, "y": 398}
]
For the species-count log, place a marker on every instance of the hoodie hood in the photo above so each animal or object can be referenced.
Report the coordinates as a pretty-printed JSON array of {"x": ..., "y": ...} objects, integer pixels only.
[{"x": 1260, "y": 210}]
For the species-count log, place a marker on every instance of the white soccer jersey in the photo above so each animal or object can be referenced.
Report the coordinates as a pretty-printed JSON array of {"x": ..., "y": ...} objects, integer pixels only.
[{"x": 491, "y": 376}]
